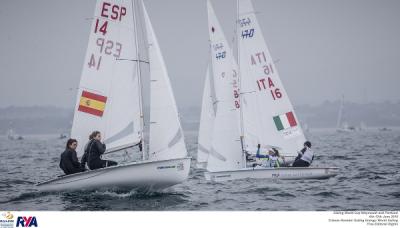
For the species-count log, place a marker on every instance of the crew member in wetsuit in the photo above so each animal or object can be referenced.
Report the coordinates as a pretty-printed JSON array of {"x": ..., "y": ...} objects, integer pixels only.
[
  {"x": 305, "y": 157},
  {"x": 84, "y": 158},
  {"x": 69, "y": 161},
  {"x": 95, "y": 148}
]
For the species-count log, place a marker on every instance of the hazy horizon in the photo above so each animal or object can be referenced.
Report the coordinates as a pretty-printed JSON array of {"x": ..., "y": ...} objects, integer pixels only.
[{"x": 325, "y": 48}]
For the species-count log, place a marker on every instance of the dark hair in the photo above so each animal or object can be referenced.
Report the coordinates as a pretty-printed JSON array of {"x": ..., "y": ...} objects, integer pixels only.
[
  {"x": 69, "y": 143},
  {"x": 93, "y": 135},
  {"x": 307, "y": 144},
  {"x": 276, "y": 152}
]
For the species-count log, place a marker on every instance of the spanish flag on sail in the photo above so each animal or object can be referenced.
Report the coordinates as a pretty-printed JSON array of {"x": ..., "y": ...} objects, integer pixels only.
[{"x": 92, "y": 103}]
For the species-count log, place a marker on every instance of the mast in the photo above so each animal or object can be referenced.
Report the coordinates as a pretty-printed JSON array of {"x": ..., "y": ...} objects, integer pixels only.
[
  {"x": 139, "y": 73},
  {"x": 240, "y": 85}
]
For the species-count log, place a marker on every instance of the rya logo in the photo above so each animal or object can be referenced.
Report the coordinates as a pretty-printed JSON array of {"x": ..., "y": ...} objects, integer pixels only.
[{"x": 27, "y": 221}]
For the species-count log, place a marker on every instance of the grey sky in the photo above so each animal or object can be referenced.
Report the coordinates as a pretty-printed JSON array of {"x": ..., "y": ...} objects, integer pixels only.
[{"x": 326, "y": 47}]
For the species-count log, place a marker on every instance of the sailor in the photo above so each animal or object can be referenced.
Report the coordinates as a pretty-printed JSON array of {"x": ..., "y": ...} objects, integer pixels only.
[
  {"x": 84, "y": 158},
  {"x": 69, "y": 161},
  {"x": 305, "y": 157},
  {"x": 269, "y": 160},
  {"x": 280, "y": 159},
  {"x": 95, "y": 148}
]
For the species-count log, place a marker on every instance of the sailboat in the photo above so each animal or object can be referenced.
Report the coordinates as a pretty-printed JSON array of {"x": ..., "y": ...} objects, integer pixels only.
[
  {"x": 341, "y": 125},
  {"x": 11, "y": 135},
  {"x": 110, "y": 100},
  {"x": 257, "y": 110}
]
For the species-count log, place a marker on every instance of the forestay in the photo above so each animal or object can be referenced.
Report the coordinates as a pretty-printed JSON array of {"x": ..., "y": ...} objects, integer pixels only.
[
  {"x": 166, "y": 135},
  {"x": 225, "y": 153},
  {"x": 108, "y": 94},
  {"x": 268, "y": 115}
]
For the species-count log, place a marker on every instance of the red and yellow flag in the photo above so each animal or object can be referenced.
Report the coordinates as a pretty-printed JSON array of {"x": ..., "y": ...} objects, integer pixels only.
[{"x": 92, "y": 103}]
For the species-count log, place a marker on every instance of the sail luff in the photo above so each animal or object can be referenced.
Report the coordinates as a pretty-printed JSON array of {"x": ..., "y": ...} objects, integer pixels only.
[
  {"x": 139, "y": 78},
  {"x": 241, "y": 123}
]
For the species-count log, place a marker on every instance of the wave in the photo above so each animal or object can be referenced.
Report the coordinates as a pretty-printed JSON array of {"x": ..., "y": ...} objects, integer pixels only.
[
  {"x": 326, "y": 194},
  {"x": 25, "y": 196},
  {"x": 285, "y": 195},
  {"x": 389, "y": 184},
  {"x": 340, "y": 157}
]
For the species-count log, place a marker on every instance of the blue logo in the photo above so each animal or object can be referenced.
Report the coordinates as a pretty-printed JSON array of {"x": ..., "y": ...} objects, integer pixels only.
[{"x": 24, "y": 221}]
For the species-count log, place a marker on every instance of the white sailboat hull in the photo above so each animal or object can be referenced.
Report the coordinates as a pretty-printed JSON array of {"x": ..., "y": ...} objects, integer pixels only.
[
  {"x": 145, "y": 176},
  {"x": 201, "y": 165},
  {"x": 285, "y": 173}
]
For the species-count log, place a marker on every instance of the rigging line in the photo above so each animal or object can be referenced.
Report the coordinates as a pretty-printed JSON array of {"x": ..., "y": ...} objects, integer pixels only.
[{"x": 135, "y": 60}]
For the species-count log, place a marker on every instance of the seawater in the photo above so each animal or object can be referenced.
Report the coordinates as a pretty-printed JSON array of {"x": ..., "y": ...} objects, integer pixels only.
[{"x": 369, "y": 179}]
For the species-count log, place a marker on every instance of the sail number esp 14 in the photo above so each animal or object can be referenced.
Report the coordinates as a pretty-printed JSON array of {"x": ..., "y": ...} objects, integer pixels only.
[{"x": 108, "y": 13}]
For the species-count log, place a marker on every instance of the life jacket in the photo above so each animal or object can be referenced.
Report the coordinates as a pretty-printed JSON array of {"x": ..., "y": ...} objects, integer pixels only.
[
  {"x": 275, "y": 161},
  {"x": 265, "y": 162},
  {"x": 308, "y": 155}
]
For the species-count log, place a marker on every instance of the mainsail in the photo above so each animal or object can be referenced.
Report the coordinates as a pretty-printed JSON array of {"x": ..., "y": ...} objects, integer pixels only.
[
  {"x": 225, "y": 152},
  {"x": 108, "y": 97},
  {"x": 206, "y": 122},
  {"x": 166, "y": 135},
  {"x": 268, "y": 115}
]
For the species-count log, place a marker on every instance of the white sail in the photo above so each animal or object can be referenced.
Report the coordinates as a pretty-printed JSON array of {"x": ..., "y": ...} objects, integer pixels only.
[
  {"x": 226, "y": 152},
  {"x": 108, "y": 95},
  {"x": 166, "y": 135},
  {"x": 268, "y": 115},
  {"x": 340, "y": 114},
  {"x": 206, "y": 123}
]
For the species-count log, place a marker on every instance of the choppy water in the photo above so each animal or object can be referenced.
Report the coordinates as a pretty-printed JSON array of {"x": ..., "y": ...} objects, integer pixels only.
[{"x": 369, "y": 180}]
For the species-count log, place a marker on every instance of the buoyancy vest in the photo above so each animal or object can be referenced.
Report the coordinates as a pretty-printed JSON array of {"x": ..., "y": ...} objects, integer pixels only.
[{"x": 308, "y": 155}]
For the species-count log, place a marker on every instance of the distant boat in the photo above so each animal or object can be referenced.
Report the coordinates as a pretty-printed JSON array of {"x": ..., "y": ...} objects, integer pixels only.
[
  {"x": 11, "y": 135},
  {"x": 384, "y": 129},
  {"x": 341, "y": 125},
  {"x": 63, "y": 136},
  {"x": 362, "y": 127},
  {"x": 110, "y": 100},
  {"x": 252, "y": 107}
]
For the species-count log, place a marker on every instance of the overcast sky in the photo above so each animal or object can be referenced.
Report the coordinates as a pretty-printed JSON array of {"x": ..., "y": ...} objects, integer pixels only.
[{"x": 326, "y": 47}]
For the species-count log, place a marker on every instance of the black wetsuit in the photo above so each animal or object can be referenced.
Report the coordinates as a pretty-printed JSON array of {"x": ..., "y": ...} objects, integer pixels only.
[
  {"x": 69, "y": 162},
  {"x": 93, "y": 153}
]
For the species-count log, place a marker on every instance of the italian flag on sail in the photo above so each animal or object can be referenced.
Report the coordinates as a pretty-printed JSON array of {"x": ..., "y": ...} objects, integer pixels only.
[
  {"x": 285, "y": 121},
  {"x": 92, "y": 103}
]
